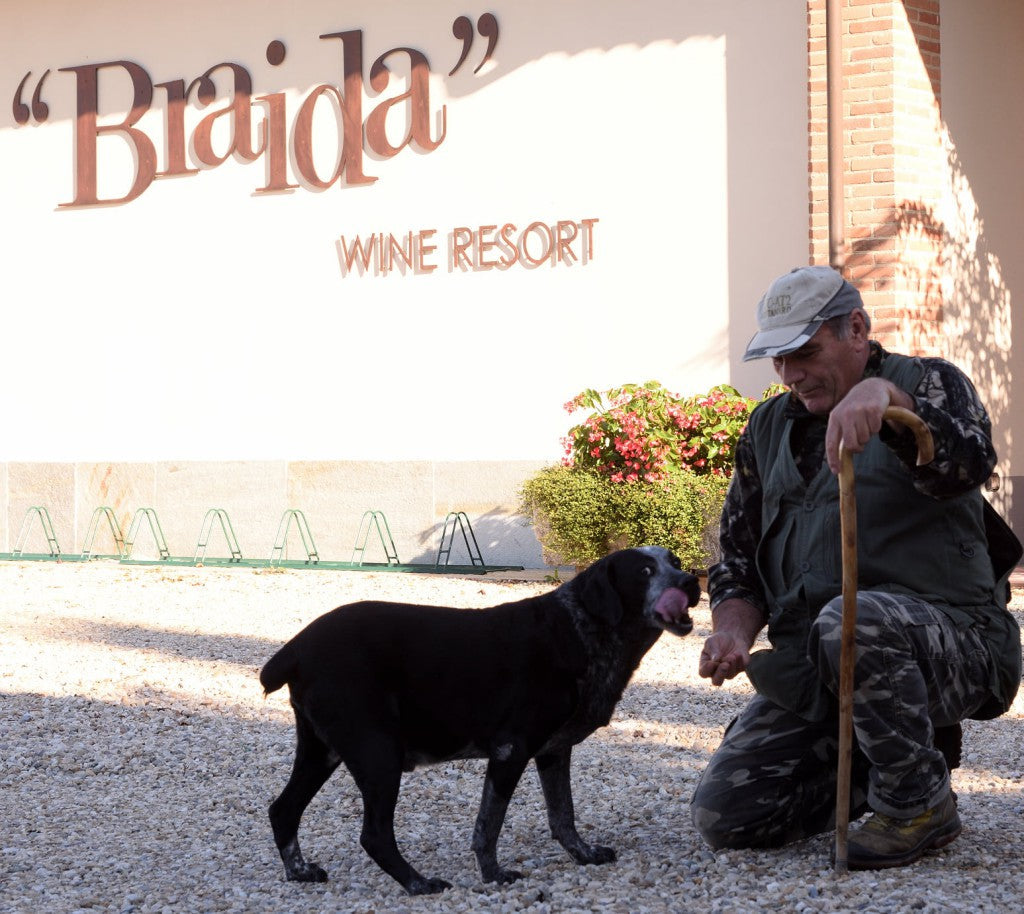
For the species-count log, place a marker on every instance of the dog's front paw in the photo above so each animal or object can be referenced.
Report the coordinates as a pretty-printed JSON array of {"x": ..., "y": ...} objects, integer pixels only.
[
  {"x": 422, "y": 886},
  {"x": 600, "y": 854},
  {"x": 503, "y": 876},
  {"x": 306, "y": 872},
  {"x": 495, "y": 873},
  {"x": 594, "y": 854}
]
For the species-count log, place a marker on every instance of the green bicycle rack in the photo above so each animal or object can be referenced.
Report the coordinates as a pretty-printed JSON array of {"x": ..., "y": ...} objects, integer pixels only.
[
  {"x": 115, "y": 531},
  {"x": 373, "y": 520},
  {"x": 460, "y": 519},
  {"x": 217, "y": 514},
  {"x": 149, "y": 515},
  {"x": 51, "y": 538},
  {"x": 281, "y": 540}
]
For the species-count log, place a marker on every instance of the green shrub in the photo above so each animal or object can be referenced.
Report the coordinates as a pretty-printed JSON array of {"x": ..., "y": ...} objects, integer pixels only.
[{"x": 580, "y": 516}]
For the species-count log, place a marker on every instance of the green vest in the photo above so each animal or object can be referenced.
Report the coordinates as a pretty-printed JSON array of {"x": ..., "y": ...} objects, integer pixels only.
[{"x": 906, "y": 543}]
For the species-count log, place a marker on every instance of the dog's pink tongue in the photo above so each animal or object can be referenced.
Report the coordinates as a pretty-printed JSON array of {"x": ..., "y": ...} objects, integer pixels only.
[{"x": 672, "y": 605}]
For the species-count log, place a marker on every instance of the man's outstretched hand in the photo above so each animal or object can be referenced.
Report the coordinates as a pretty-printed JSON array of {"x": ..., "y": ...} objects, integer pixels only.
[{"x": 726, "y": 652}]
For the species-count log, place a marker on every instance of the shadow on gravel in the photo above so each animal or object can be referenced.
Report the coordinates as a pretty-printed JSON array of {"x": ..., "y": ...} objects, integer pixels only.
[{"x": 243, "y": 650}]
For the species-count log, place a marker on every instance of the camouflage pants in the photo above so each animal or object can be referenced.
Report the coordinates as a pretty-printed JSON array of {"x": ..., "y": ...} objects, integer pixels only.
[{"x": 772, "y": 780}]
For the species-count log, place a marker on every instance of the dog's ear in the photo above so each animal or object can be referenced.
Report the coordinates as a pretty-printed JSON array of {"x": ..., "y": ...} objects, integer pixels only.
[{"x": 598, "y": 593}]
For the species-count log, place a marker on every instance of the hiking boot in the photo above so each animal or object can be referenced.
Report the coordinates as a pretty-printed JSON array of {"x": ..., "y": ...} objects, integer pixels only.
[{"x": 883, "y": 841}]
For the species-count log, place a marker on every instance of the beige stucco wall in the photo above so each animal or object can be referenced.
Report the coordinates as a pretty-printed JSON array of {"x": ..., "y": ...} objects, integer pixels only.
[{"x": 203, "y": 346}]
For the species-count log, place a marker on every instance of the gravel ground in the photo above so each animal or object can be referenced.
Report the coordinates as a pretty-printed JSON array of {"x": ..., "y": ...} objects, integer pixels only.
[{"x": 138, "y": 756}]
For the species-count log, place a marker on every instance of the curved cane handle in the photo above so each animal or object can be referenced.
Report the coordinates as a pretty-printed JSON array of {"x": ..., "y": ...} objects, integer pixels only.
[{"x": 922, "y": 434}]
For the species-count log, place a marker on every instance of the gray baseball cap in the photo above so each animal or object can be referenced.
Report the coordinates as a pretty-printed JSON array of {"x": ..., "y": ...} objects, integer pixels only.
[{"x": 794, "y": 308}]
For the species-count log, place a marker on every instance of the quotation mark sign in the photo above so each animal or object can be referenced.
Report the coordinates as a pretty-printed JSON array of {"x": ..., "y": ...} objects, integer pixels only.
[
  {"x": 462, "y": 28},
  {"x": 39, "y": 110}
]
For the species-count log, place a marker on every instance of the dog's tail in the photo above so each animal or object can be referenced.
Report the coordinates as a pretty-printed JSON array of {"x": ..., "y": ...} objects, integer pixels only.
[{"x": 278, "y": 670}]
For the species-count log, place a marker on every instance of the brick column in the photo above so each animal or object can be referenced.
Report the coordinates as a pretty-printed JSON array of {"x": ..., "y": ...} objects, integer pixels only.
[{"x": 894, "y": 162}]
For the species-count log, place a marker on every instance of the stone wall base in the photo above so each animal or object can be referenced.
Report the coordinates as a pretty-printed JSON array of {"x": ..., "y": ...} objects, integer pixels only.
[{"x": 414, "y": 496}]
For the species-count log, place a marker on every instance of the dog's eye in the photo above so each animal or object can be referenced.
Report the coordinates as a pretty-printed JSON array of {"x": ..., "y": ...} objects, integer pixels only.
[
  {"x": 647, "y": 571},
  {"x": 675, "y": 563}
]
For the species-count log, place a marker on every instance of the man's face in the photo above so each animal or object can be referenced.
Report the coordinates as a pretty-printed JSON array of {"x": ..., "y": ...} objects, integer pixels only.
[{"x": 824, "y": 369}]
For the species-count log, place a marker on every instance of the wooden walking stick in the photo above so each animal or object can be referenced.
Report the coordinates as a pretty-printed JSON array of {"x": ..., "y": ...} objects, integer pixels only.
[{"x": 848, "y": 525}]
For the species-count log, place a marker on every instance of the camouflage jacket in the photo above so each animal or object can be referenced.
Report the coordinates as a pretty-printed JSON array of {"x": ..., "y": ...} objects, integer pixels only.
[{"x": 964, "y": 459}]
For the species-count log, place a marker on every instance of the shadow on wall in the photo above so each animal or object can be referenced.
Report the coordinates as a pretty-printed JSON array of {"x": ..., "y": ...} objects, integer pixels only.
[
  {"x": 977, "y": 318},
  {"x": 502, "y": 539},
  {"x": 517, "y": 41},
  {"x": 963, "y": 298}
]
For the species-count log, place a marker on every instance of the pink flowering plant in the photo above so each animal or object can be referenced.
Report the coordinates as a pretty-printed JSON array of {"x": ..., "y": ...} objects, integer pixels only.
[
  {"x": 645, "y": 466},
  {"x": 642, "y": 432}
]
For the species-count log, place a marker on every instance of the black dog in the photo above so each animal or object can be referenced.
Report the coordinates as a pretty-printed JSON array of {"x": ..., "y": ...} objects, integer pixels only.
[{"x": 384, "y": 687}]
